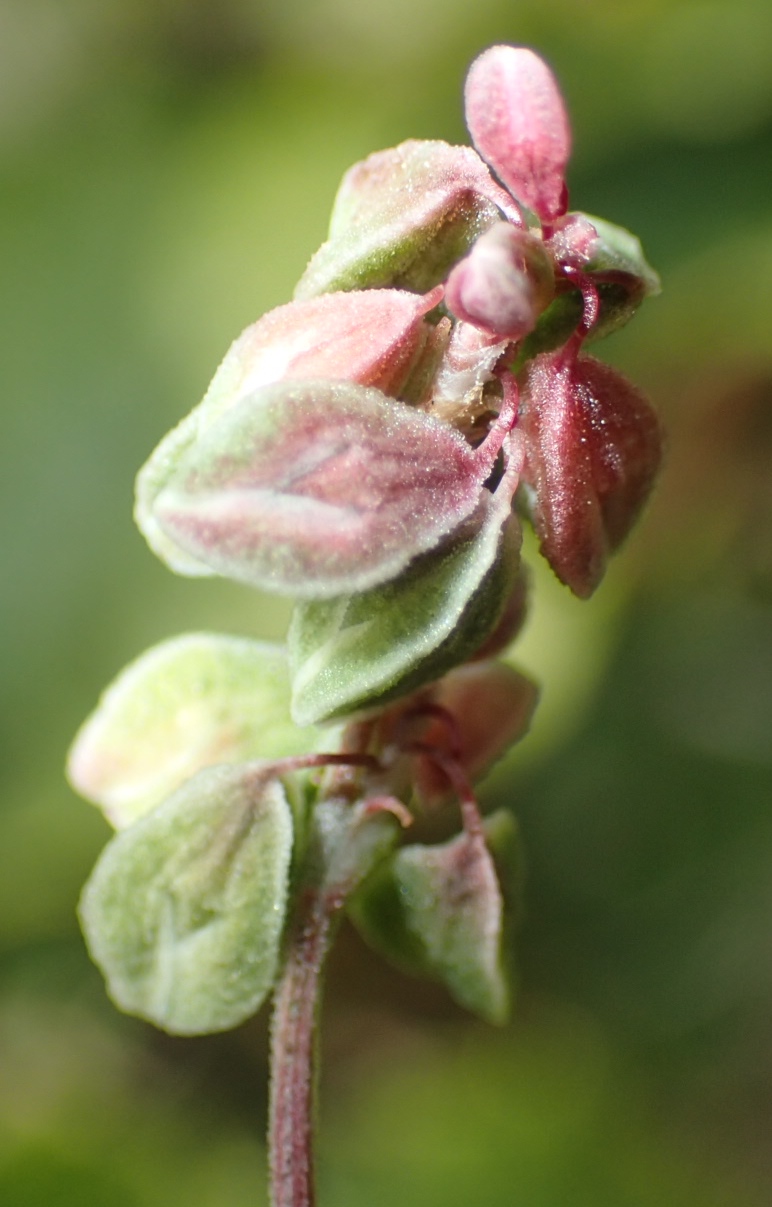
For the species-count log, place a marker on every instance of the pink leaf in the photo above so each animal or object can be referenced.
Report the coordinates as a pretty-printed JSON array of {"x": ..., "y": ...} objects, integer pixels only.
[
  {"x": 368, "y": 336},
  {"x": 518, "y": 123},
  {"x": 492, "y": 705},
  {"x": 593, "y": 448},
  {"x": 376, "y": 338},
  {"x": 320, "y": 488}
]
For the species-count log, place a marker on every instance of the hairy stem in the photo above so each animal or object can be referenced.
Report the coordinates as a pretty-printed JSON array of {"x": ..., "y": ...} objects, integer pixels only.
[{"x": 293, "y": 1054}]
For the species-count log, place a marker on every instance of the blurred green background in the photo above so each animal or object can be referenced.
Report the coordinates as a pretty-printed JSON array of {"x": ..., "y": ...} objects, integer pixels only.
[{"x": 166, "y": 169}]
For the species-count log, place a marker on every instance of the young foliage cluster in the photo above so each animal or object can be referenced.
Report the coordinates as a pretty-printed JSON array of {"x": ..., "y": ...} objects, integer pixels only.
[{"x": 369, "y": 450}]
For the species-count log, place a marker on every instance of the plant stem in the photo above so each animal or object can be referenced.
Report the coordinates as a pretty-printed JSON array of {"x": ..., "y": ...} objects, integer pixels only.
[
  {"x": 293, "y": 1054},
  {"x": 349, "y": 833}
]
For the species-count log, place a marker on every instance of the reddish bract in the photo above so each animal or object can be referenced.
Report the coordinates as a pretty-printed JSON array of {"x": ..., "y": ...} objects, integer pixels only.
[{"x": 593, "y": 448}]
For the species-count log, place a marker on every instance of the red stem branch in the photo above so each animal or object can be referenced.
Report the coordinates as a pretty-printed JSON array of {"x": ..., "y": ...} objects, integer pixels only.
[{"x": 293, "y": 1055}]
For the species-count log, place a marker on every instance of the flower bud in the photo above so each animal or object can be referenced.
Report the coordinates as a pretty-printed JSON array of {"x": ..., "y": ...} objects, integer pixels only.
[
  {"x": 503, "y": 284},
  {"x": 516, "y": 116}
]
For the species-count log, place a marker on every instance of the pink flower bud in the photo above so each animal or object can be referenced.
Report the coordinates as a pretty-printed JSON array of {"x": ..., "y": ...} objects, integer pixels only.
[
  {"x": 593, "y": 448},
  {"x": 504, "y": 283},
  {"x": 518, "y": 123}
]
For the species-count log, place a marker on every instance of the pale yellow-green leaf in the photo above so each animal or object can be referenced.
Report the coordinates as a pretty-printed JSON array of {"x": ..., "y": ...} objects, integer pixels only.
[
  {"x": 184, "y": 910},
  {"x": 188, "y": 703}
]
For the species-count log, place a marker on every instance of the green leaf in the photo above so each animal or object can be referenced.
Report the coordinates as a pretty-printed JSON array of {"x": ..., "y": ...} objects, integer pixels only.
[
  {"x": 367, "y": 649},
  {"x": 403, "y": 217},
  {"x": 151, "y": 480},
  {"x": 618, "y": 250},
  {"x": 353, "y": 839},
  {"x": 184, "y": 911},
  {"x": 439, "y": 911},
  {"x": 316, "y": 488},
  {"x": 185, "y": 704}
]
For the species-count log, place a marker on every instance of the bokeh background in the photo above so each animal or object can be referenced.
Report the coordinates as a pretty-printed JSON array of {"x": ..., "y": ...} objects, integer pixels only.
[{"x": 166, "y": 169}]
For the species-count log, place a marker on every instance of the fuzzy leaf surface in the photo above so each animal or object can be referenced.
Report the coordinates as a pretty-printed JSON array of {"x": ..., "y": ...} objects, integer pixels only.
[
  {"x": 403, "y": 216},
  {"x": 319, "y": 488},
  {"x": 184, "y": 910},
  {"x": 354, "y": 839},
  {"x": 364, "y": 650},
  {"x": 372, "y": 338},
  {"x": 594, "y": 446},
  {"x": 185, "y": 704},
  {"x": 519, "y": 124},
  {"x": 439, "y": 911}
]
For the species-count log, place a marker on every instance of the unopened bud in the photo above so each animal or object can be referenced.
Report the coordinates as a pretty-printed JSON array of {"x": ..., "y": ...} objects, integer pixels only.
[{"x": 504, "y": 283}]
